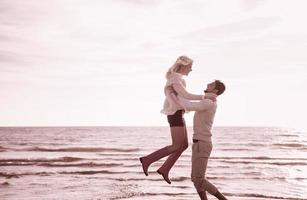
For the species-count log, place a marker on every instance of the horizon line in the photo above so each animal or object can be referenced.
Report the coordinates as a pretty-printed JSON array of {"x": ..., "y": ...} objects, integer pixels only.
[{"x": 138, "y": 126}]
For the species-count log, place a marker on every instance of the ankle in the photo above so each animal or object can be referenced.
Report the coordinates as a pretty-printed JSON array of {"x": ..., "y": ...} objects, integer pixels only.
[
  {"x": 161, "y": 171},
  {"x": 220, "y": 196},
  {"x": 165, "y": 176}
]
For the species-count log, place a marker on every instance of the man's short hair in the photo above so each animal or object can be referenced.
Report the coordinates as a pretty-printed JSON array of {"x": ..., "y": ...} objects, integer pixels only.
[{"x": 220, "y": 87}]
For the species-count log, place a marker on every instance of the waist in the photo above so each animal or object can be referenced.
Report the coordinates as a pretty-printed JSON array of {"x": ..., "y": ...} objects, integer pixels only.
[
  {"x": 202, "y": 137},
  {"x": 170, "y": 107},
  {"x": 177, "y": 113},
  {"x": 203, "y": 141},
  {"x": 201, "y": 129},
  {"x": 176, "y": 119}
]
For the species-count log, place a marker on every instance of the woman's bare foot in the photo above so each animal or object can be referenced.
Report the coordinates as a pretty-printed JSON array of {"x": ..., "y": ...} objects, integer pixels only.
[{"x": 144, "y": 166}]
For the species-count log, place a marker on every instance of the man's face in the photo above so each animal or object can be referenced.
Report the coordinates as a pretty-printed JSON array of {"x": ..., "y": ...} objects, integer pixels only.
[{"x": 210, "y": 88}]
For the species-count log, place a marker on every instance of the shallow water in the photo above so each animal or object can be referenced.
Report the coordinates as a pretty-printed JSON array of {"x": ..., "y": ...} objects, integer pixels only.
[{"x": 102, "y": 163}]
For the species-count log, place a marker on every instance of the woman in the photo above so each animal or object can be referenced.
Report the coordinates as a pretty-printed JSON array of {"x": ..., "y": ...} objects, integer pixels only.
[{"x": 174, "y": 112}]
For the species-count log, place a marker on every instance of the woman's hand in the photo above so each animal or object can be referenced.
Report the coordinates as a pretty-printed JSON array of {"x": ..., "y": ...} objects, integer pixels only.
[
  {"x": 170, "y": 90},
  {"x": 210, "y": 96}
]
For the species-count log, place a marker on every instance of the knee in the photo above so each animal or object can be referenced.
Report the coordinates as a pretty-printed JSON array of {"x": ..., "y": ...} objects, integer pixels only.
[
  {"x": 175, "y": 148},
  {"x": 182, "y": 147},
  {"x": 185, "y": 146},
  {"x": 202, "y": 184}
]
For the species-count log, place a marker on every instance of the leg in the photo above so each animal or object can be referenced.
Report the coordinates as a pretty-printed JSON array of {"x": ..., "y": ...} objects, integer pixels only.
[
  {"x": 153, "y": 157},
  {"x": 211, "y": 189},
  {"x": 220, "y": 196},
  {"x": 179, "y": 144},
  {"x": 179, "y": 137},
  {"x": 202, "y": 195},
  {"x": 205, "y": 185},
  {"x": 200, "y": 155}
]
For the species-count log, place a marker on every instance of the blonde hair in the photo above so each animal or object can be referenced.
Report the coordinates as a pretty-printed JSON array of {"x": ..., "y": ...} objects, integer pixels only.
[{"x": 181, "y": 61}]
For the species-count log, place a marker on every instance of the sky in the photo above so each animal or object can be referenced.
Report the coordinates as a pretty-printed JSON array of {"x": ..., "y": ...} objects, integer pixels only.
[{"x": 102, "y": 63}]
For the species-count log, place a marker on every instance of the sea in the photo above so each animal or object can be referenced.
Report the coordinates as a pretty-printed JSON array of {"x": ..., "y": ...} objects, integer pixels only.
[{"x": 102, "y": 163}]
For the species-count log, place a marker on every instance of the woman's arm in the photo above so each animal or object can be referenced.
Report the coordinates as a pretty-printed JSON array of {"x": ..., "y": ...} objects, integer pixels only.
[{"x": 181, "y": 91}]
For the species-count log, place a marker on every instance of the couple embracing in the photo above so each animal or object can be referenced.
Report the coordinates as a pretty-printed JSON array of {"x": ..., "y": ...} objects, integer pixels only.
[{"x": 177, "y": 101}]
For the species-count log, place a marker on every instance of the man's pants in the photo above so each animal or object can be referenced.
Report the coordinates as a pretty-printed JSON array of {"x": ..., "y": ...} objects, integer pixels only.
[{"x": 200, "y": 154}]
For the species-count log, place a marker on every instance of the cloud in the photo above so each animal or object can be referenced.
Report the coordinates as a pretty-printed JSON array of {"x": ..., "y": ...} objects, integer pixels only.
[
  {"x": 238, "y": 29},
  {"x": 251, "y": 4},
  {"x": 8, "y": 58},
  {"x": 141, "y": 2},
  {"x": 5, "y": 38}
]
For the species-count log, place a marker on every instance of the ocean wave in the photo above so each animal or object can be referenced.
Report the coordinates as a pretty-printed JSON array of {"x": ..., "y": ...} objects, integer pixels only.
[
  {"x": 256, "y": 158},
  {"x": 263, "y": 196},
  {"x": 180, "y": 179},
  {"x": 8, "y": 175},
  {"x": 268, "y": 163},
  {"x": 235, "y": 149},
  {"x": 58, "y": 162},
  {"x": 18, "y": 175},
  {"x": 82, "y": 149},
  {"x": 226, "y": 194},
  {"x": 90, "y": 164},
  {"x": 5, "y": 183},
  {"x": 85, "y": 172},
  {"x": 61, "y": 159},
  {"x": 291, "y": 145},
  {"x": 91, "y": 172},
  {"x": 130, "y": 194},
  {"x": 245, "y": 176},
  {"x": 174, "y": 179},
  {"x": 15, "y": 164},
  {"x": 119, "y": 159},
  {"x": 34, "y": 144},
  {"x": 2, "y": 149},
  {"x": 250, "y": 144},
  {"x": 186, "y": 178},
  {"x": 288, "y": 135}
]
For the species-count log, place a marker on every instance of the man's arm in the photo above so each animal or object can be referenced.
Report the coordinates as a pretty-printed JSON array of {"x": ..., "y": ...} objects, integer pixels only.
[
  {"x": 202, "y": 105},
  {"x": 190, "y": 105},
  {"x": 181, "y": 91}
]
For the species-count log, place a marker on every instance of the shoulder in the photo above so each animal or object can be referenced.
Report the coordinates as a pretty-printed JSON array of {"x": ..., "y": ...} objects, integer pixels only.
[
  {"x": 175, "y": 75},
  {"x": 208, "y": 103},
  {"x": 175, "y": 78}
]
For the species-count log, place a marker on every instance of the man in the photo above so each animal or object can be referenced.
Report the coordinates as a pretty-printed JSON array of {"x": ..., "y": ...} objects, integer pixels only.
[{"x": 202, "y": 145}]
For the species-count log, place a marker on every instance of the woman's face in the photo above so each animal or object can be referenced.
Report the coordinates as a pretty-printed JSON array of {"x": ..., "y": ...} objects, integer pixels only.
[{"x": 185, "y": 69}]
